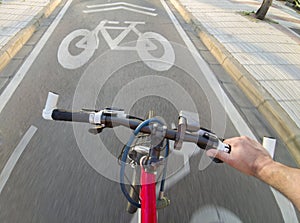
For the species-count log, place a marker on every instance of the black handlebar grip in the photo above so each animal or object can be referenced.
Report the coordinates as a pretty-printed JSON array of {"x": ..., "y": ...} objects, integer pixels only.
[{"x": 62, "y": 115}]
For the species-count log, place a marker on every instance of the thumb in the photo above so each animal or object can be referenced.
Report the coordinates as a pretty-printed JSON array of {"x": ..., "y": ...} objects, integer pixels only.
[{"x": 218, "y": 154}]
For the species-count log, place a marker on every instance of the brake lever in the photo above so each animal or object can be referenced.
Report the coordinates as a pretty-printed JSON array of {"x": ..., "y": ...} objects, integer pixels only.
[{"x": 96, "y": 130}]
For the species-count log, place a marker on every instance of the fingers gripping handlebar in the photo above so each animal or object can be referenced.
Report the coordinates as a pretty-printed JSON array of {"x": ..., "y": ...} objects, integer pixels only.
[{"x": 112, "y": 117}]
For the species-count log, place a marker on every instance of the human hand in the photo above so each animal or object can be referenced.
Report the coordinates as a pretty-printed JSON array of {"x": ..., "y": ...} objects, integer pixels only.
[{"x": 247, "y": 155}]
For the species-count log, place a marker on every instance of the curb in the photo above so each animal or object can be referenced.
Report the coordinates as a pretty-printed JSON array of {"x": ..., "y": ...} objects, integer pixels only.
[
  {"x": 285, "y": 127},
  {"x": 18, "y": 41}
]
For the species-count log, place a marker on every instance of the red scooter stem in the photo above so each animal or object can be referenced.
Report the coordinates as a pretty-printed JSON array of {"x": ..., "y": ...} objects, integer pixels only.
[{"x": 148, "y": 197}]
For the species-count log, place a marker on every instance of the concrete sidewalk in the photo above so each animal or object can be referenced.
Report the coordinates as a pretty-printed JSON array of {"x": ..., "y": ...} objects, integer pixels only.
[
  {"x": 263, "y": 57},
  {"x": 18, "y": 21}
]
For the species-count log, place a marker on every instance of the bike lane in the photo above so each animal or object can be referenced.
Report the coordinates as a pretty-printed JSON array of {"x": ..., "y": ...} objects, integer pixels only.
[{"x": 122, "y": 77}]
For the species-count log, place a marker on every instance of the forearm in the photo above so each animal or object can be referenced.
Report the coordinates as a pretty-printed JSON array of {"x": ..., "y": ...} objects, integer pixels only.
[
  {"x": 283, "y": 178},
  {"x": 249, "y": 157}
]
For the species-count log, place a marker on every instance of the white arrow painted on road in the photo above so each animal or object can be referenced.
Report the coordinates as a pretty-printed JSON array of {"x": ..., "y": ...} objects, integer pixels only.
[{"x": 120, "y": 6}]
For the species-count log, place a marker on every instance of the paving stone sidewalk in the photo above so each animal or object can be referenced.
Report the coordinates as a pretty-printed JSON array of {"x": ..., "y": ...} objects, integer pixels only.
[
  {"x": 18, "y": 21},
  {"x": 262, "y": 56}
]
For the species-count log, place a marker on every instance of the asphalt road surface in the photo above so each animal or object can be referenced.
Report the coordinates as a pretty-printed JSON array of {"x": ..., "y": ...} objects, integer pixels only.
[{"x": 129, "y": 55}]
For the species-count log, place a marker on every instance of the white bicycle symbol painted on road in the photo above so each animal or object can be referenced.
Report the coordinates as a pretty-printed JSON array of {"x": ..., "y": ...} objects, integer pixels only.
[{"x": 90, "y": 42}]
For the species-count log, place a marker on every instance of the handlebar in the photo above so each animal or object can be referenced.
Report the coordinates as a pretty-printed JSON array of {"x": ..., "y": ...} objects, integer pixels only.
[{"x": 113, "y": 117}]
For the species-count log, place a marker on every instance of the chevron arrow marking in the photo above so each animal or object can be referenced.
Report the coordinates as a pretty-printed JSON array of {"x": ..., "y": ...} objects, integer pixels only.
[{"x": 119, "y": 6}]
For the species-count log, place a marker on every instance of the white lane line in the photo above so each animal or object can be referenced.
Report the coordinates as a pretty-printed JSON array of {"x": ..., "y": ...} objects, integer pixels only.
[
  {"x": 18, "y": 77},
  {"x": 287, "y": 209},
  {"x": 13, "y": 159}
]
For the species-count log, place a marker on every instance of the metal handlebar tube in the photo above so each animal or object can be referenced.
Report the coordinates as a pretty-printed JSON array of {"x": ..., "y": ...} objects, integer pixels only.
[
  {"x": 111, "y": 118},
  {"x": 204, "y": 141}
]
